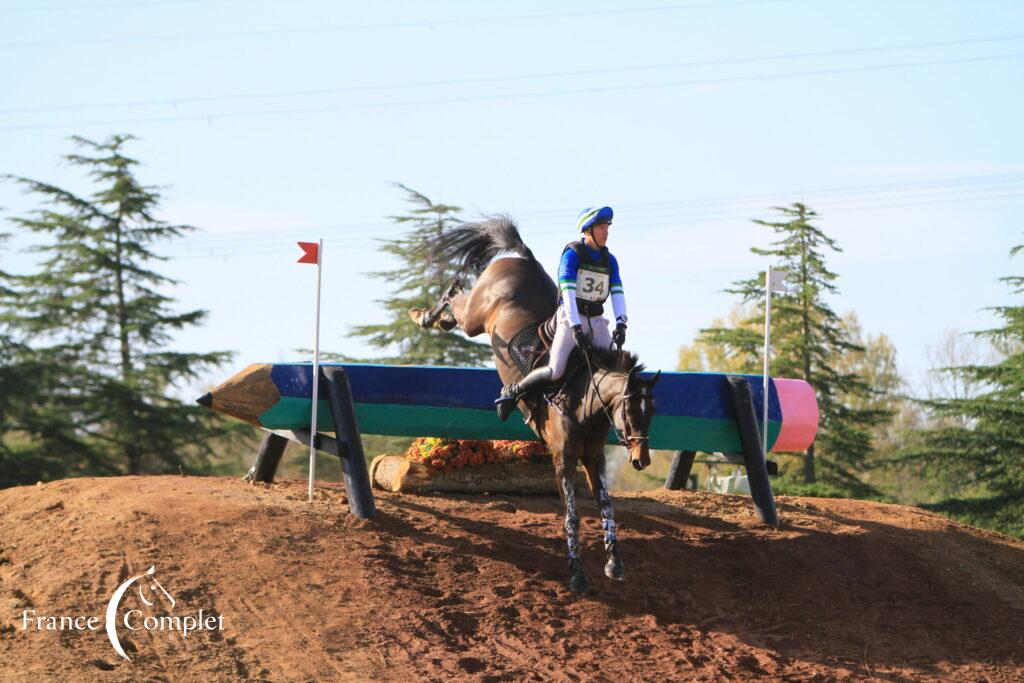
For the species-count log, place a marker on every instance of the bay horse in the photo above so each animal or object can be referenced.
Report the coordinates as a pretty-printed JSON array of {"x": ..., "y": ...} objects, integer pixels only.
[{"x": 509, "y": 295}]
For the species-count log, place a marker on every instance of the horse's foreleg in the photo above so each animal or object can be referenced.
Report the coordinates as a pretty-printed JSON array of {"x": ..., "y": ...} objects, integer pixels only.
[
  {"x": 595, "y": 466},
  {"x": 565, "y": 474}
]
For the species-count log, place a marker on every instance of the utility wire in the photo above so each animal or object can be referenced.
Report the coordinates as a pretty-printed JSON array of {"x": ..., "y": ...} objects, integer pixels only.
[
  {"x": 429, "y": 24},
  {"x": 226, "y": 253},
  {"x": 508, "y": 96},
  {"x": 107, "y": 5},
  {"x": 828, "y": 201},
  {"x": 257, "y": 242},
  {"x": 678, "y": 209},
  {"x": 231, "y": 251},
  {"x": 177, "y": 101}
]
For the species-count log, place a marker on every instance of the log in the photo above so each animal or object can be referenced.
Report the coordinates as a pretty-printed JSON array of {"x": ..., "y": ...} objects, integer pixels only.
[{"x": 396, "y": 473}]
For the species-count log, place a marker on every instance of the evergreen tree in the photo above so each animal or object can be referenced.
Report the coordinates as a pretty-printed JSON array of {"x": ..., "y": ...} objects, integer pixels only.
[
  {"x": 979, "y": 438},
  {"x": 419, "y": 282},
  {"x": 99, "y": 327},
  {"x": 12, "y": 386},
  {"x": 808, "y": 340}
]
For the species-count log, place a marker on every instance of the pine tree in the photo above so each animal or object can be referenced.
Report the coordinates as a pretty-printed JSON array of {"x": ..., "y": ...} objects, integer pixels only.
[
  {"x": 99, "y": 326},
  {"x": 12, "y": 388},
  {"x": 808, "y": 339},
  {"x": 979, "y": 438},
  {"x": 419, "y": 282}
]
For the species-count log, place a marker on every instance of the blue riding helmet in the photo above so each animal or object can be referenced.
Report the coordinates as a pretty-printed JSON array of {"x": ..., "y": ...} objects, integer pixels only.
[{"x": 591, "y": 216}]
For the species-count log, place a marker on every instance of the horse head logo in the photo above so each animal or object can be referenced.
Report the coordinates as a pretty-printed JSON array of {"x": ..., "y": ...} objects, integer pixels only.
[{"x": 115, "y": 601}]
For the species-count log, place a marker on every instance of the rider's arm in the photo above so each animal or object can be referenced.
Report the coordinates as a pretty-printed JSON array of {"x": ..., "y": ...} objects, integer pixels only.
[
  {"x": 618, "y": 297},
  {"x": 567, "y": 269}
]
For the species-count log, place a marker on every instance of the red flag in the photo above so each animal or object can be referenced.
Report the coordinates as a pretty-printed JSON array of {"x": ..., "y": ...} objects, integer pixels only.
[{"x": 309, "y": 252}]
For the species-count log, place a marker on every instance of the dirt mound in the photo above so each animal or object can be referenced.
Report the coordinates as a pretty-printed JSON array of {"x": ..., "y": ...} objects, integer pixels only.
[{"x": 473, "y": 588}]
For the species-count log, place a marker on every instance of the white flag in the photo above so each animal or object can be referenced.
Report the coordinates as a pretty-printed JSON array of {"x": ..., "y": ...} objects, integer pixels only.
[{"x": 777, "y": 281}]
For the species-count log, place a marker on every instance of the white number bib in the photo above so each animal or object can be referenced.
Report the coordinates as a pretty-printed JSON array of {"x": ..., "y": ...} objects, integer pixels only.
[{"x": 591, "y": 285}]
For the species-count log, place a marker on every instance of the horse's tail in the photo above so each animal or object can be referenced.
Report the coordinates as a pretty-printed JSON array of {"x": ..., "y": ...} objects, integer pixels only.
[{"x": 471, "y": 246}]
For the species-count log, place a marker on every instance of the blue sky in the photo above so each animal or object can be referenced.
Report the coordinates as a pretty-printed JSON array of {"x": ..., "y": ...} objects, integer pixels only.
[{"x": 274, "y": 122}]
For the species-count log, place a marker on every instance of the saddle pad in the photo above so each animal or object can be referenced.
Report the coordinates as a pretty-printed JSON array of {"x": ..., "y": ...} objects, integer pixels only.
[{"x": 525, "y": 348}]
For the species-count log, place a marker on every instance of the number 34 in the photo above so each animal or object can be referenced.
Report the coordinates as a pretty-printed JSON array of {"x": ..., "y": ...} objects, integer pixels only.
[{"x": 592, "y": 285}]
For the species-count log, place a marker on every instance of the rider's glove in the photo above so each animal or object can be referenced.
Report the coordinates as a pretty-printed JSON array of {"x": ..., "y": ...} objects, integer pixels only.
[
  {"x": 619, "y": 335},
  {"x": 582, "y": 343}
]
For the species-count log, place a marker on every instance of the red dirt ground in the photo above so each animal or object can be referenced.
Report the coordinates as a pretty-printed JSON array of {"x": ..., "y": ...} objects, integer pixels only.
[{"x": 473, "y": 588}]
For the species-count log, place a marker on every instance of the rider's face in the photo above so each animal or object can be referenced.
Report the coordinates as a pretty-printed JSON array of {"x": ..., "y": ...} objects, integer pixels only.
[{"x": 599, "y": 233}]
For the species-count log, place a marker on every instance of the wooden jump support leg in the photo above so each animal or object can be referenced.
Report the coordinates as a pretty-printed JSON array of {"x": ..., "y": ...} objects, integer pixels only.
[
  {"x": 350, "y": 444},
  {"x": 757, "y": 468},
  {"x": 679, "y": 470},
  {"x": 268, "y": 458}
]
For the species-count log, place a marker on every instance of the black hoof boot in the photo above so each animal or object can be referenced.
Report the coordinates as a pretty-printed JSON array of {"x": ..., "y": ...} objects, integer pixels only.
[
  {"x": 613, "y": 569},
  {"x": 578, "y": 583}
]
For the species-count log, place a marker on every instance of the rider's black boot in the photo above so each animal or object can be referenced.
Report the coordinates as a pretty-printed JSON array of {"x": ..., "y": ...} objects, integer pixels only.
[{"x": 506, "y": 403}]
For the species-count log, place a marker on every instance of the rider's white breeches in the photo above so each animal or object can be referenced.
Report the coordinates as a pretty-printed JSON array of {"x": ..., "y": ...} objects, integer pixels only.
[{"x": 561, "y": 348}]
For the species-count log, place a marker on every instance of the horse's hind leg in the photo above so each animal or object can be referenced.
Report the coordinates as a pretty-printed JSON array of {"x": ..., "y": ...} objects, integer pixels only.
[
  {"x": 594, "y": 463},
  {"x": 565, "y": 476},
  {"x": 440, "y": 314}
]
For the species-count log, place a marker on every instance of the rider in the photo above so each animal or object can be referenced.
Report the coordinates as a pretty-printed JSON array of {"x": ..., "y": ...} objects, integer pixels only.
[{"x": 587, "y": 275}]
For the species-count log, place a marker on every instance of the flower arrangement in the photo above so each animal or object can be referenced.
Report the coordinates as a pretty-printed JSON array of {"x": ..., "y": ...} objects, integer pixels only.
[{"x": 448, "y": 455}]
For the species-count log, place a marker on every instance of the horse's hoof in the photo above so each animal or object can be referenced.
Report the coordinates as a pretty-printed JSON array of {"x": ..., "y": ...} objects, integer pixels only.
[
  {"x": 446, "y": 322},
  {"x": 614, "y": 570},
  {"x": 417, "y": 315},
  {"x": 578, "y": 584}
]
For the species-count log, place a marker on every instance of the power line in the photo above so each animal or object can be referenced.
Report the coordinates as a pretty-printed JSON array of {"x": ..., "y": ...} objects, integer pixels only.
[
  {"x": 511, "y": 96},
  {"x": 642, "y": 216},
  {"x": 724, "y": 211},
  {"x": 106, "y": 5},
  {"x": 834, "y": 191},
  {"x": 638, "y": 212},
  {"x": 227, "y": 253},
  {"x": 694, "y": 206},
  {"x": 430, "y": 24},
  {"x": 176, "y": 101}
]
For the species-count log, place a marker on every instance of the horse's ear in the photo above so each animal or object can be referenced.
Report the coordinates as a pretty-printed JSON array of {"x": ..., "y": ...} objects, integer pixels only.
[{"x": 654, "y": 380}]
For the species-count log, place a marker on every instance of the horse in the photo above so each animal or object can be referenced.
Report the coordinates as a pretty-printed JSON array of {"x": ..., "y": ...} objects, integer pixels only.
[{"x": 508, "y": 296}]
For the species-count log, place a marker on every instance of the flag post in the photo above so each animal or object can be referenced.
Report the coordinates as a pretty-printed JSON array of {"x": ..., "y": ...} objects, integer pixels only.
[
  {"x": 316, "y": 371},
  {"x": 313, "y": 253},
  {"x": 774, "y": 281},
  {"x": 767, "y": 353}
]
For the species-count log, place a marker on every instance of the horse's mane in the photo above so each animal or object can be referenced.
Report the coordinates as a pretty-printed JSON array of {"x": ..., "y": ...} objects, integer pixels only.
[
  {"x": 616, "y": 360},
  {"x": 471, "y": 246}
]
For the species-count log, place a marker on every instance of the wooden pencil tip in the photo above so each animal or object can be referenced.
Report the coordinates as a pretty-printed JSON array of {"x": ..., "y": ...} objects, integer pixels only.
[{"x": 206, "y": 400}]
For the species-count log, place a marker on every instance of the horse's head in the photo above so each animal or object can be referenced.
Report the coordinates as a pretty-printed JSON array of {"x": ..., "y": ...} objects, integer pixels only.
[
  {"x": 624, "y": 397},
  {"x": 637, "y": 409}
]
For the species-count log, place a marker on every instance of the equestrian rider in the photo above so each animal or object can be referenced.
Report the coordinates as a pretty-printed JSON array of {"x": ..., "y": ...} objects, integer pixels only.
[{"x": 587, "y": 275}]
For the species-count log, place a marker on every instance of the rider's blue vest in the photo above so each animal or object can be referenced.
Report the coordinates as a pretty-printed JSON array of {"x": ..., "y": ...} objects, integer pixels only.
[{"x": 591, "y": 279}]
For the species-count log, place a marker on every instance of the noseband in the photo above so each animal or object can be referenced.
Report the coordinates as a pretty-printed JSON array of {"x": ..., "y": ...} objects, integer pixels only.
[{"x": 634, "y": 439}]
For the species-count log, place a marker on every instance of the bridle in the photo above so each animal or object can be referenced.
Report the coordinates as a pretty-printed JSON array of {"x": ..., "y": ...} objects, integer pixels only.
[{"x": 632, "y": 440}]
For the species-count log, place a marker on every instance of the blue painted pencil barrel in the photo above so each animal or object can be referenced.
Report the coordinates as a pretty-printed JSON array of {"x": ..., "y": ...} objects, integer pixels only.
[{"x": 693, "y": 410}]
